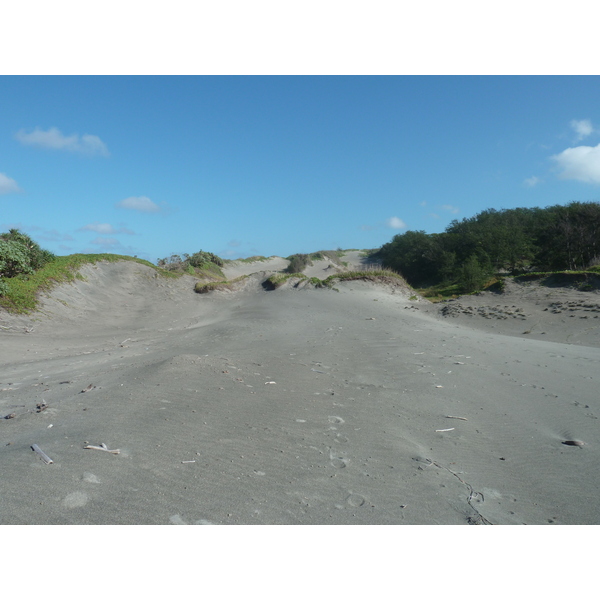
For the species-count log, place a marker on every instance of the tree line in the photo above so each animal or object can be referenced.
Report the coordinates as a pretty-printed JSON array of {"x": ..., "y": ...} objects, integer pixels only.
[{"x": 517, "y": 240}]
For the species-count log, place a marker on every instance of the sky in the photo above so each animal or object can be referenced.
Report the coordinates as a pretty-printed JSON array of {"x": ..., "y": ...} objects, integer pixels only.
[{"x": 275, "y": 165}]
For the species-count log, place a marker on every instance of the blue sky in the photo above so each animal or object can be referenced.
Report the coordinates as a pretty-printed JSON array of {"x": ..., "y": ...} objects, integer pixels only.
[{"x": 246, "y": 165}]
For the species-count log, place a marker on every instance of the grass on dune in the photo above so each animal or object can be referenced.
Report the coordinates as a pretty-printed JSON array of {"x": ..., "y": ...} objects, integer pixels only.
[
  {"x": 587, "y": 280},
  {"x": 374, "y": 275},
  {"x": 24, "y": 290},
  {"x": 250, "y": 259},
  {"x": 205, "y": 288}
]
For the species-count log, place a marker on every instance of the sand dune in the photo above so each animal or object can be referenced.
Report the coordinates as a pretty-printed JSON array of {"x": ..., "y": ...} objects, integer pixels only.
[{"x": 297, "y": 406}]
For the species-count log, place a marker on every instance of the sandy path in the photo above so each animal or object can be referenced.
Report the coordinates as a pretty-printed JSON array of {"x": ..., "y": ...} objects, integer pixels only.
[{"x": 346, "y": 433}]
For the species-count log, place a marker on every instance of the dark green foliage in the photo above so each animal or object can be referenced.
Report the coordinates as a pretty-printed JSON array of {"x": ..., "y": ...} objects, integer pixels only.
[
  {"x": 298, "y": 262},
  {"x": 19, "y": 254},
  {"x": 512, "y": 240},
  {"x": 473, "y": 275},
  {"x": 416, "y": 255},
  {"x": 13, "y": 259},
  {"x": 199, "y": 259}
]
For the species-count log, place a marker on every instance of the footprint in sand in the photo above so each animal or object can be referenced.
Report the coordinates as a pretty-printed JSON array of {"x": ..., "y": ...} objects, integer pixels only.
[
  {"x": 75, "y": 500},
  {"x": 339, "y": 462},
  {"x": 355, "y": 500},
  {"x": 90, "y": 478}
]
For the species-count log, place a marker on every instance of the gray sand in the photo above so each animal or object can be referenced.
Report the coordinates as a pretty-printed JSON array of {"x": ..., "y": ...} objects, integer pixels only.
[{"x": 297, "y": 406}]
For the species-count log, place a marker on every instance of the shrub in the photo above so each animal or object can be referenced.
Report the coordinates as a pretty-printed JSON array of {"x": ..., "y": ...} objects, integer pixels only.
[
  {"x": 20, "y": 254},
  {"x": 200, "y": 259},
  {"x": 13, "y": 259},
  {"x": 298, "y": 262},
  {"x": 187, "y": 264}
]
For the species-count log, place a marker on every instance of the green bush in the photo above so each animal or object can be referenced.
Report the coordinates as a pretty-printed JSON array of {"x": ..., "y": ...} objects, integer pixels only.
[
  {"x": 298, "y": 262},
  {"x": 19, "y": 254},
  {"x": 473, "y": 275},
  {"x": 200, "y": 259},
  {"x": 205, "y": 261},
  {"x": 13, "y": 259}
]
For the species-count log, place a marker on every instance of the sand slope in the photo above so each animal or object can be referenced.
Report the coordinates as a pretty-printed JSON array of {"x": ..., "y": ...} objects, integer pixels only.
[{"x": 296, "y": 407}]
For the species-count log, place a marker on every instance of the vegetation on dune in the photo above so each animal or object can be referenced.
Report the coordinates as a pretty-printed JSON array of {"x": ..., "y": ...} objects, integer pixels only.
[
  {"x": 205, "y": 288},
  {"x": 20, "y": 254},
  {"x": 19, "y": 294},
  {"x": 279, "y": 279},
  {"x": 471, "y": 254},
  {"x": 298, "y": 262},
  {"x": 374, "y": 275},
  {"x": 200, "y": 264},
  {"x": 251, "y": 259},
  {"x": 557, "y": 246}
]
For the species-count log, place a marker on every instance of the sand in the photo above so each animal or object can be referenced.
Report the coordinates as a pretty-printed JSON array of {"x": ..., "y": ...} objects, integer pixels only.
[{"x": 298, "y": 406}]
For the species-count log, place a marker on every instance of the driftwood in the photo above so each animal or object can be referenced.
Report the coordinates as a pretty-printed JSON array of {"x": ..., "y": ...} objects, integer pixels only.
[
  {"x": 102, "y": 447},
  {"x": 44, "y": 456}
]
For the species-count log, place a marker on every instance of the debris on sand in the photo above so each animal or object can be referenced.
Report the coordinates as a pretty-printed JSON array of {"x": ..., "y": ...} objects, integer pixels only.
[
  {"x": 102, "y": 447},
  {"x": 44, "y": 456}
]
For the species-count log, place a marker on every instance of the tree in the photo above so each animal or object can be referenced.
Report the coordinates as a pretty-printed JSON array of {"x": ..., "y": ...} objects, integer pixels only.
[{"x": 473, "y": 275}]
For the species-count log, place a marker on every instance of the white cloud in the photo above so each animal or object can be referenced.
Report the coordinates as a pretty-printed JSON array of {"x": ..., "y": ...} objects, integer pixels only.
[
  {"x": 532, "y": 181},
  {"x": 450, "y": 208},
  {"x": 396, "y": 223},
  {"x": 8, "y": 185},
  {"x": 140, "y": 203},
  {"x": 581, "y": 163},
  {"x": 105, "y": 229},
  {"x": 55, "y": 140},
  {"x": 582, "y": 128}
]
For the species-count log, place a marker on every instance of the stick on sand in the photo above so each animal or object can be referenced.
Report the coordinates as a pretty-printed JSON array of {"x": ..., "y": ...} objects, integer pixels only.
[
  {"x": 44, "y": 456},
  {"x": 102, "y": 447}
]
